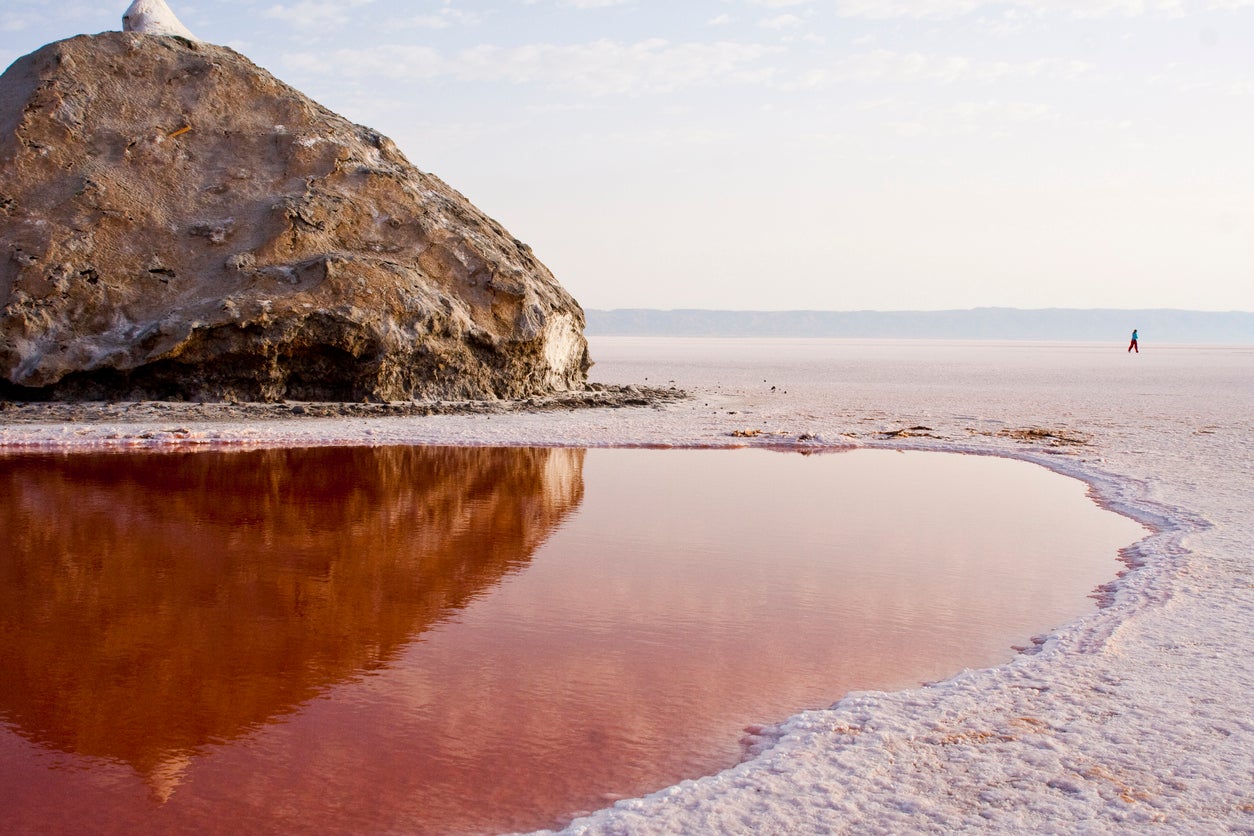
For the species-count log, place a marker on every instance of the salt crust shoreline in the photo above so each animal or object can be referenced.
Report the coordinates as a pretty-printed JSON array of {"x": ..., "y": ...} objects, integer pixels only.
[
  {"x": 1137, "y": 715},
  {"x": 144, "y": 416}
]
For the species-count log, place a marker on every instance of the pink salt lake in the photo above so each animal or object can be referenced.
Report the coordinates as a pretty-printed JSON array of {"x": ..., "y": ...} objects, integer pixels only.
[{"x": 465, "y": 640}]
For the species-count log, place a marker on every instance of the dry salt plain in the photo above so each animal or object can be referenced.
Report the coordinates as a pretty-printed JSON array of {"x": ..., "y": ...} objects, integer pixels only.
[{"x": 1136, "y": 717}]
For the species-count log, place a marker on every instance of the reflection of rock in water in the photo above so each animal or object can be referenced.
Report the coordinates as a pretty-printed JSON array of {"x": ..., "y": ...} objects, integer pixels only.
[
  {"x": 165, "y": 776},
  {"x": 152, "y": 604}
]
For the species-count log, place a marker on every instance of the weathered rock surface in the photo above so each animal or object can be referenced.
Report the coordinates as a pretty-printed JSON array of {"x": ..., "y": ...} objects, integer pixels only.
[{"x": 177, "y": 223}]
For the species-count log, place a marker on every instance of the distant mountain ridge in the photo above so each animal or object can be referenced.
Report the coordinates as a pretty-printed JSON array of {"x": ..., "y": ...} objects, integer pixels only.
[{"x": 1049, "y": 324}]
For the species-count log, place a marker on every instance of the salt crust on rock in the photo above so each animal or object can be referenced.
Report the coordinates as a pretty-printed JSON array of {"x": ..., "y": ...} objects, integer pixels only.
[
  {"x": 153, "y": 17},
  {"x": 177, "y": 223}
]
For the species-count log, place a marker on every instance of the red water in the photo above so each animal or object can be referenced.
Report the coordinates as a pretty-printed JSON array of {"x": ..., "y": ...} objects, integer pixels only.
[{"x": 449, "y": 640}]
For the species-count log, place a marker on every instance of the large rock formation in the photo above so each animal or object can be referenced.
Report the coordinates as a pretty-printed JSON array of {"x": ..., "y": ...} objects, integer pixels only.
[{"x": 177, "y": 223}]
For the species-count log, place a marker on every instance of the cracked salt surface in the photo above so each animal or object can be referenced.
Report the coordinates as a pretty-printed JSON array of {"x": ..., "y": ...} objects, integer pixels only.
[{"x": 1137, "y": 714}]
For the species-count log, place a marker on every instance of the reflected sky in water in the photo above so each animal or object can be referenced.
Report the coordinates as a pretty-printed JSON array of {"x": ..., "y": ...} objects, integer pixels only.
[{"x": 476, "y": 639}]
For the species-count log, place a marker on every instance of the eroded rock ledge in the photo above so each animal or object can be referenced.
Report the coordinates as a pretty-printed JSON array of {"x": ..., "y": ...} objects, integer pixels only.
[
  {"x": 175, "y": 223},
  {"x": 594, "y": 396}
]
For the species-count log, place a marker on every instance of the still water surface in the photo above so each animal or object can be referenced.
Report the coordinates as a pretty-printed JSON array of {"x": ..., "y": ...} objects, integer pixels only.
[{"x": 445, "y": 640}]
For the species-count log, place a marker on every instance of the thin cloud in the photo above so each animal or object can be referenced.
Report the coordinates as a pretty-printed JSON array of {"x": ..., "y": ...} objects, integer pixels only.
[
  {"x": 444, "y": 18},
  {"x": 315, "y": 14},
  {"x": 430, "y": 21},
  {"x": 917, "y": 67},
  {"x": 781, "y": 22},
  {"x": 598, "y": 68},
  {"x": 15, "y": 22},
  {"x": 1001, "y": 111},
  {"x": 1075, "y": 9},
  {"x": 604, "y": 67}
]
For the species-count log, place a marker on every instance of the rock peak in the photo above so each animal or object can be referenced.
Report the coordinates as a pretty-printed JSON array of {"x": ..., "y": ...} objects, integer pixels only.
[{"x": 153, "y": 17}]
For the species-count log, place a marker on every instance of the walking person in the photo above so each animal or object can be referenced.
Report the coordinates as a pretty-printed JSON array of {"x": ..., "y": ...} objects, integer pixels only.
[{"x": 1132, "y": 346}]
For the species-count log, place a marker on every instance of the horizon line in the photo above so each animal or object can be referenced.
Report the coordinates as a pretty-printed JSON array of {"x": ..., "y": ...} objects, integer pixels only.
[{"x": 920, "y": 310}]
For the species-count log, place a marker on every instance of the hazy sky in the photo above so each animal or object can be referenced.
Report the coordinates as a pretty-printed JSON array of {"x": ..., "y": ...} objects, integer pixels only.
[{"x": 785, "y": 154}]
